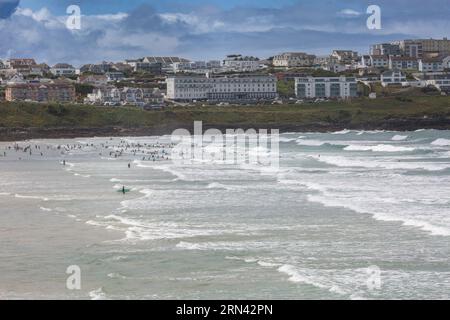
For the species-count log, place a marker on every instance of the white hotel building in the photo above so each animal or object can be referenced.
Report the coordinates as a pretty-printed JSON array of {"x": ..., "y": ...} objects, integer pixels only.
[
  {"x": 326, "y": 87},
  {"x": 227, "y": 88}
]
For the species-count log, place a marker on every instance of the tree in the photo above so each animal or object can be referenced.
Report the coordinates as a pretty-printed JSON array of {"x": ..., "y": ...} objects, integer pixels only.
[{"x": 286, "y": 88}]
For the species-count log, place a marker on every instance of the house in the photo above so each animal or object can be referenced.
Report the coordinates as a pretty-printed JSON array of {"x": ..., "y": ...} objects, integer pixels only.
[
  {"x": 17, "y": 64},
  {"x": 326, "y": 87},
  {"x": 38, "y": 92},
  {"x": 293, "y": 59},
  {"x": 222, "y": 88},
  {"x": 115, "y": 76},
  {"x": 63, "y": 69},
  {"x": 440, "y": 82},
  {"x": 93, "y": 79},
  {"x": 434, "y": 64},
  {"x": 379, "y": 61},
  {"x": 336, "y": 67},
  {"x": 144, "y": 65},
  {"x": 153, "y": 97},
  {"x": 345, "y": 56},
  {"x": 106, "y": 95},
  {"x": 99, "y": 68},
  {"x": 403, "y": 63},
  {"x": 164, "y": 62},
  {"x": 393, "y": 77},
  {"x": 239, "y": 63},
  {"x": 25, "y": 67},
  {"x": 112, "y": 96},
  {"x": 15, "y": 79}
]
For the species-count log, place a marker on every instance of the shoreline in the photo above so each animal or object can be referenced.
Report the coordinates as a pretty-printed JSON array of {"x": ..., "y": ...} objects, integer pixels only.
[{"x": 23, "y": 134}]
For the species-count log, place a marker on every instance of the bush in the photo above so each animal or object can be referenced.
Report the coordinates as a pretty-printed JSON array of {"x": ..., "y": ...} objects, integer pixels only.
[{"x": 57, "y": 110}]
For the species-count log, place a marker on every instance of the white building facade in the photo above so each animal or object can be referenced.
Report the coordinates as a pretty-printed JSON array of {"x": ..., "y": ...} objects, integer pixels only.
[
  {"x": 63, "y": 69},
  {"x": 229, "y": 88},
  {"x": 393, "y": 77},
  {"x": 437, "y": 64},
  {"x": 403, "y": 63},
  {"x": 379, "y": 61},
  {"x": 238, "y": 63},
  {"x": 293, "y": 59},
  {"x": 326, "y": 87}
]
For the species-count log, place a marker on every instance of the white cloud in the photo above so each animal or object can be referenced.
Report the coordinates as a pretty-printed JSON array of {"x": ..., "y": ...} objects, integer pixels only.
[
  {"x": 350, "y": 12},
  {"x": 144, "y": 31}
]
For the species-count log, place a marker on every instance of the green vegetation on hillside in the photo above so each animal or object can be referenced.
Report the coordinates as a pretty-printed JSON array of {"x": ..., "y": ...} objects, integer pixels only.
[
  {"x": 286, "y": 88},
  {"x": 350, "y": 114}
]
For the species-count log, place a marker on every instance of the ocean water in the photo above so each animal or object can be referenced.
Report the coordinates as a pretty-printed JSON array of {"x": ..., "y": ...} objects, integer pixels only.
[{"x": 348, "y": 215}]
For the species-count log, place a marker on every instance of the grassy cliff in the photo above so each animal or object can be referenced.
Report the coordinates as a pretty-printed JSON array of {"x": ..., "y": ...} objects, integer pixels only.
[{"x": 401, "y": 113}]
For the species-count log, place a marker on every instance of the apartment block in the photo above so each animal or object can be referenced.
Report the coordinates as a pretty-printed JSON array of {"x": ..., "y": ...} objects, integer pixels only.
[
  {"x": 239, "y": 63},
  {"x": 326, "y": 87},
  {"x": 436, "y": 64},
  {"x": 403, "y": 63},
  {"x": 379, "y": 61},
  {"x": 385, "y": 49},
  {"x": 293, "y": 59},
  {"x": 228, "y": 88},
  {"x": 38, "y": 92}
]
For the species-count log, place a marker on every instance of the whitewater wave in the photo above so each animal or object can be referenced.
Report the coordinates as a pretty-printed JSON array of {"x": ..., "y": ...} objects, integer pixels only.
[
  {"x": 310, "y": 143},
  {"x": 82, "y": 175},
  {"x": 19, "y": 196},
  {"x": 296, "y": 276},
  {"x": 98, "y": 294},
  {"x": 340, "y": 161},
  {"x": 379, "y": 148},
  {"x": 399, "y": 138},
  {"x": 330, "y": 201},
  {"x": 169, "y": 169},
  {"x": 217, "y": 185},
  {"x": 286, "y": 140},
  {"x": 226, "y": 246},
  {"x": 441, "y": 142},
  {"x": 345, "y": 131}
]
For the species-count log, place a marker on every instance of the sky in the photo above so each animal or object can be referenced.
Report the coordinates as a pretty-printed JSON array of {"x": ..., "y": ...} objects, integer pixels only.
[{"x": 114, "y": 30}]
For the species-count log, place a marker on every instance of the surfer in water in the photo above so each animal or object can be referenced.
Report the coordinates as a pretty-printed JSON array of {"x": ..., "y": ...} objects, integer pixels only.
[{"x": 123, "y": 190}]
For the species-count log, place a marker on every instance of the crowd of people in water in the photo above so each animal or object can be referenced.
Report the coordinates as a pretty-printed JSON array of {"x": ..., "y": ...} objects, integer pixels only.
[
  {"x": 109, "y": 149},
  {"x": 124, "y": 149}
]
